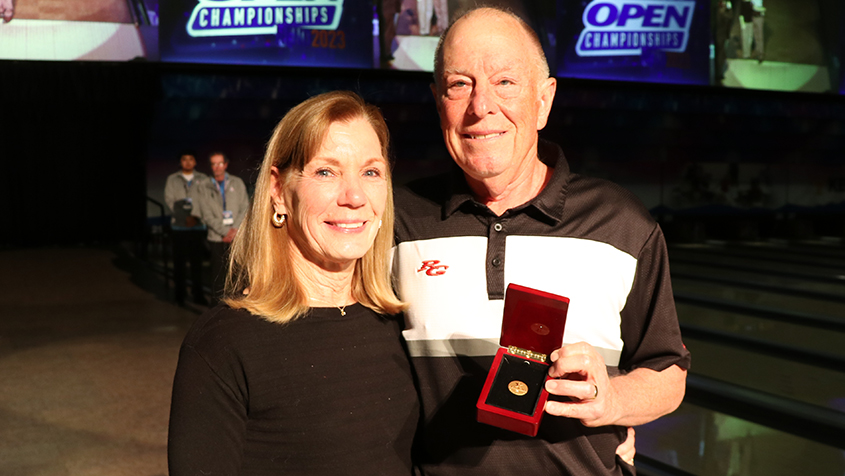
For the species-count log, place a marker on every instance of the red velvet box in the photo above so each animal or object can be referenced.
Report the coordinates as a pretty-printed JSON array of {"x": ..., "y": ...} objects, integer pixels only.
[{"x": 514, "y": 393}]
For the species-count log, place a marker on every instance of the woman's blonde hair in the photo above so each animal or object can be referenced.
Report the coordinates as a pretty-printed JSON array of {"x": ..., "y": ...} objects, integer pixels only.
[{"x": 260, "y": 258}]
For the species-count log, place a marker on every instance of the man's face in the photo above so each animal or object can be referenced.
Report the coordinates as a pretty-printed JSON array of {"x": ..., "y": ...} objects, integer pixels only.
[
  {"x": 188, "y": 163},
  {"x": 491, "y": 97},
  {"x": 218, "y": 166}
]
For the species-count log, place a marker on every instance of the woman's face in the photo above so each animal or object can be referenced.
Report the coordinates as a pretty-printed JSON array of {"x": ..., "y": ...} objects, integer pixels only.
[{"x": 335, "y": 205}]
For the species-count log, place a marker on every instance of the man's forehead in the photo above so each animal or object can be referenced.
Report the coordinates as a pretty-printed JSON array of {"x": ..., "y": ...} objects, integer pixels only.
[
  {"x": 499, "y": 45},
  {"x": 487, "y": 21},
  {"x": 493, "y": 66},
  {"x": 511, "y": 59}
]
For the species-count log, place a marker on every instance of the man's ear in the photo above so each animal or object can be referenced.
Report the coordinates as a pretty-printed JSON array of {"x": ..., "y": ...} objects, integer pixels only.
[
  {"x": 277, "y": 196},
  {"x": 548, "y": 87}
]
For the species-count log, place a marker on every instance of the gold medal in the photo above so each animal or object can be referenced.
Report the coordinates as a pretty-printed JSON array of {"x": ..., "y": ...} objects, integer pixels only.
[{"x": 518, "y": 388}]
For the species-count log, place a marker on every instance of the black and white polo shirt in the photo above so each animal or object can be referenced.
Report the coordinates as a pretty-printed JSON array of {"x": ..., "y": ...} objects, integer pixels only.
[{"x": 587, "y": 239}]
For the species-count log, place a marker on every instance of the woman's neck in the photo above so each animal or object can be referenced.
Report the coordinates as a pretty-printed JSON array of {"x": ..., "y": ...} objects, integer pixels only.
[{"x": 322, "y": 286}]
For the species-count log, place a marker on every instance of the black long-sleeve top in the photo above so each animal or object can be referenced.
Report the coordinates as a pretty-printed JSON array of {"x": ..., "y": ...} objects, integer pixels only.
[{"x": 324, "y": 394}]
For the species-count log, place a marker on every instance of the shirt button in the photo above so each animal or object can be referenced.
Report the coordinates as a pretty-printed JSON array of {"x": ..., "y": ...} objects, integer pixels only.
[
  {"x": 497, "y": 227},
  {"x": 497, "y": 262}
]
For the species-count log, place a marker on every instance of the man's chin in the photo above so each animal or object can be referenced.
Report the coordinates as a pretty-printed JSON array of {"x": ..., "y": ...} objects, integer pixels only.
[{"x": 481, "y": 169}]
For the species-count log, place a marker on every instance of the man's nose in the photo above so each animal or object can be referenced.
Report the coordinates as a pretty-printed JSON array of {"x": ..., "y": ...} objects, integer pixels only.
[{"x": 481, "y": 100}]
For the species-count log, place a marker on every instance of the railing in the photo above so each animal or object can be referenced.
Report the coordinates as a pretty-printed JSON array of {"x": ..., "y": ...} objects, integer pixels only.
[
  {"x": 162, "y": 242},
  {"x": 138, "y": 12}
]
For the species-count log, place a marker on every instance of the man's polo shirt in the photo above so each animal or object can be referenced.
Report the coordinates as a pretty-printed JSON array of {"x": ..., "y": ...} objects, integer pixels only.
[{"x": 583, "y": 238}]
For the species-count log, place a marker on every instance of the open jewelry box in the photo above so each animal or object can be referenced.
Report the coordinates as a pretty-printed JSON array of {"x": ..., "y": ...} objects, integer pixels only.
[{"x": 514, "y": 394}]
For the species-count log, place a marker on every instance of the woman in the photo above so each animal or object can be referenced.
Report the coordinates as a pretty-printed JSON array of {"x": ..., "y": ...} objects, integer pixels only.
[{"x": 300, "y": 370}]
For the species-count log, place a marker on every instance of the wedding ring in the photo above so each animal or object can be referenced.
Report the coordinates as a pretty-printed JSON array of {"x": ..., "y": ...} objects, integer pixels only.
[{"x": 596, "y": 395}]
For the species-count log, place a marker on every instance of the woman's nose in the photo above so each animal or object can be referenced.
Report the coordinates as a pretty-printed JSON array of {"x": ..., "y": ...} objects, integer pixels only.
[{"x": 352, "y": 194}]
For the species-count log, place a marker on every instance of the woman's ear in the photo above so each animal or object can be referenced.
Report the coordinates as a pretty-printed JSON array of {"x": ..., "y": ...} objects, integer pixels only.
[{"x": 277, "y": 196}]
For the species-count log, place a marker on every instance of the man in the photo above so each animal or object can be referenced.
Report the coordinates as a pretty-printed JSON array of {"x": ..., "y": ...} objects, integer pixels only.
[
  {"x": 514, "y": 213},
  {"x": 7, "y": 10},
  {"x": 388, "y": 11},
  {"x": 223, "y": 202},
  {"x": 429, "y": 10},
  {"x": 187, "y": 232}
]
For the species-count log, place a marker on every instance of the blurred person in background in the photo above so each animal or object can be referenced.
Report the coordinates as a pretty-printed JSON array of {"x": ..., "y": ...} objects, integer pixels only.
[
  {"x": 7, "y": 10},
  {"x": 222, "y": 202},
  {"x": 187, "y": 231}
]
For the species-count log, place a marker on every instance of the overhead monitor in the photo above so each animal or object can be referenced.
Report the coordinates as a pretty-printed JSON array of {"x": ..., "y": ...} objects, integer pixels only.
[
  {"x": 660, "y": 41},
  {"x": 319, "y": 33},
  {"x": 751, "y": 44},
  {"x": 77, "y": 30}
]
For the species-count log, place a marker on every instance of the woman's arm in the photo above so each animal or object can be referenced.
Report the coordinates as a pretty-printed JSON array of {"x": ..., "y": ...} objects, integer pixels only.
[{"x": 207, "y": 421}]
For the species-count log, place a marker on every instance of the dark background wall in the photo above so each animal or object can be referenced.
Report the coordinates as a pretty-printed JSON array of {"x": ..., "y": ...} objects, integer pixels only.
[
  {"x": 85, "y": 144},
  {"x": 73, "y": 149}
]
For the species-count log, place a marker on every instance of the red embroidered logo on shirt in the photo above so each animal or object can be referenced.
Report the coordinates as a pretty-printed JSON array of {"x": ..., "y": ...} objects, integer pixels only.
[{"x": 433, "y": 267}]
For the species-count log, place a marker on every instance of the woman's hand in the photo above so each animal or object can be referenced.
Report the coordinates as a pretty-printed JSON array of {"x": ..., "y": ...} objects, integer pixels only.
[{"x": 627, "y": 450}]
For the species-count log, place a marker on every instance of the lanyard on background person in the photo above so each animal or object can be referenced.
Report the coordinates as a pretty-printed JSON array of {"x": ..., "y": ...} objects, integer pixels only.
[
  {"x": 222, "y": 187},
  {"x": 228, "y": 216}
]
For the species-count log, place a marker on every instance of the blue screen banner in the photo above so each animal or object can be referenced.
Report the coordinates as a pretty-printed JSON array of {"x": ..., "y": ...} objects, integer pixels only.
[
  {"x": 327, "y": 33},
  {"x": 662, "y": 41}
]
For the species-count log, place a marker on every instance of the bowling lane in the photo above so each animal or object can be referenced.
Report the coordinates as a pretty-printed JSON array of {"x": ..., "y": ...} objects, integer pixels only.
[
  {"x": 758, "y": 279},
  {"x": 775, "y": 300},
  {"x": 703, "y": 442},
  {"x": 795, "y": 335},
  {"x": 813, "y": 270},
  {"x": 767, "y": 373}
]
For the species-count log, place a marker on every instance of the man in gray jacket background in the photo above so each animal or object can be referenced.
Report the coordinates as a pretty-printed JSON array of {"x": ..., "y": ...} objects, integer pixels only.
[
  {"x": 187, "y": 231},
  {"x": 222, "y": 202}
]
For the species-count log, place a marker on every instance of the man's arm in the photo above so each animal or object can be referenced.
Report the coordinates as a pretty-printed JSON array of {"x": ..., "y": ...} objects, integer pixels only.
[
  {"x": 649, "y": 327},
  {"x": 204, "y": 210},
  {"x": 637, "y": 397}
]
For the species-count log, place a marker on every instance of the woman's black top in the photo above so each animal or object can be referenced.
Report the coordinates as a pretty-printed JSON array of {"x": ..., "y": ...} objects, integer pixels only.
[{"x": 324, "y": 394}]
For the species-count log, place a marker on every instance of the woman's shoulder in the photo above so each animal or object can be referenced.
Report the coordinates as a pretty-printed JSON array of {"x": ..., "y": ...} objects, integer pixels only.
[{"x": 223, "y": 326}]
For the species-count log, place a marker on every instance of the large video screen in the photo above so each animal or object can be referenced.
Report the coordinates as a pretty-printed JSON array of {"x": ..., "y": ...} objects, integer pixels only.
[
  {"x": 757, "y": 44},
  {"x": 322, "y": 33},
  {"x": 777, "y": 44},
  {"x": 635, "y": 40},
  {"x": 77, "y": 30}
]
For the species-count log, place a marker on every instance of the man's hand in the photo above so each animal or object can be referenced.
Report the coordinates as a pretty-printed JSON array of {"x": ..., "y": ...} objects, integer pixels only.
[
  {"x": 230, "y": 235},
  {"x": 634, "y": 398},
  {"x": 579, "y": 372}
]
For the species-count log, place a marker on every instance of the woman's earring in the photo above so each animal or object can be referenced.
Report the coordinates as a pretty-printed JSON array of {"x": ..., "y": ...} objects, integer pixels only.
[
  {"x": 379, "y": 224},
  {"x": 279, "y": 219}
]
